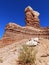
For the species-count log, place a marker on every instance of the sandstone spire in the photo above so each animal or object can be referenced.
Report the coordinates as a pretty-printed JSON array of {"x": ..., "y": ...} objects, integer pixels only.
[{"x": 31, "y": 17}]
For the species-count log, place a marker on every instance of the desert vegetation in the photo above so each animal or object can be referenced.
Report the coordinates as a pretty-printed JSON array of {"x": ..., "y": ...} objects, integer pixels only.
[{"x": 27, "y": 55}]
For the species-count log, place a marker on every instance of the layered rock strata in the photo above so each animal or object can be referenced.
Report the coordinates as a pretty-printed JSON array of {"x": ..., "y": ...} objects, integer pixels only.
[
  {"x": 14, "y": 32},
  {"x": 31, "y": 17}
]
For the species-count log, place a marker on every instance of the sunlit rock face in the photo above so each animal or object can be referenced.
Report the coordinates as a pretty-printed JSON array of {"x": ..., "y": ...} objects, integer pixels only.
[
  {"x": 31, "y": 17},
  {"x": 33, "y": 42},
  {"x": 31, "y": 34},
  {"x": 14, "y": 32},
  {"x": 9, "y": 54}
]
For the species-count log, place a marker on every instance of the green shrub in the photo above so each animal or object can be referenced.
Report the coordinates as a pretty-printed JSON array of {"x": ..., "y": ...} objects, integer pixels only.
[{"x": 27, "y": 55}]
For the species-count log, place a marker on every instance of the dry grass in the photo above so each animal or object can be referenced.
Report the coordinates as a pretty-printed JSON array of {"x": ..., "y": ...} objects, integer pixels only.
[{"x": 27, "y": 55}]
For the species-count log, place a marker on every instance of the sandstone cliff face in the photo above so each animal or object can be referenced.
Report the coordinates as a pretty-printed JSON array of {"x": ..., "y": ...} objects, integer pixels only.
[{"x": 14, "y": 32}]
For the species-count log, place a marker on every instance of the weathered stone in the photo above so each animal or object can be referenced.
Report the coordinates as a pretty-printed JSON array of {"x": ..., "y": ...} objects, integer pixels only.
[
  {"x": 32, "y": 30},
  {"x": 31, "y": 17}
]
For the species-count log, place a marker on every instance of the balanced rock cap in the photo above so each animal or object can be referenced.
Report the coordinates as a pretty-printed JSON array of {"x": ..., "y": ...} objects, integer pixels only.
[{"x": 31, "y": 9}]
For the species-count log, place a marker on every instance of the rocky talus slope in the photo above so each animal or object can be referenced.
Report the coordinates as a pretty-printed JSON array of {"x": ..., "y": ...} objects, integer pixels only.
[{"x": 9, "y": 54}]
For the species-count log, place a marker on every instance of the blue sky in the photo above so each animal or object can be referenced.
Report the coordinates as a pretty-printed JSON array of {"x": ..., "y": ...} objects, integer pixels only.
[{"x": 13, "y": 11}]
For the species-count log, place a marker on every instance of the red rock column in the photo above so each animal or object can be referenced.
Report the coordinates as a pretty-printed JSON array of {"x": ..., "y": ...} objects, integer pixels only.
[{"x": 31, "y": 17}]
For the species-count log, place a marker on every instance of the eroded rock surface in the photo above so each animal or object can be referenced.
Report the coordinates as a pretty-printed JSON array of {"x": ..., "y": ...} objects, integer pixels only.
[
  {"x": 15, "y": 34},
  {"x": 9, "y": 54},
  {"x": 32, "y": 17}
]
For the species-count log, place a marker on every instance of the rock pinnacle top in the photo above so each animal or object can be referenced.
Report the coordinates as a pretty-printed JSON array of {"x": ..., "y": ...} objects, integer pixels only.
[{"x": 31, "y": 9}]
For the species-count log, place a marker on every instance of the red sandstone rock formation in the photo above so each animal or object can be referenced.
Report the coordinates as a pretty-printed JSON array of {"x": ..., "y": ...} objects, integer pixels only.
[
  {"x": 31, "y": 17},
  {"x": 14, "y": 32},
  {"x": 16, "y": 35}
]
